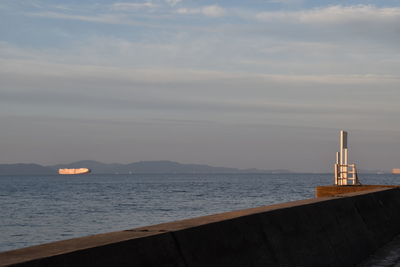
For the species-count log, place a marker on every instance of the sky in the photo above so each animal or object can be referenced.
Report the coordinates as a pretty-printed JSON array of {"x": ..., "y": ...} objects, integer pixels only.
[{"x": 248, "y": 84}]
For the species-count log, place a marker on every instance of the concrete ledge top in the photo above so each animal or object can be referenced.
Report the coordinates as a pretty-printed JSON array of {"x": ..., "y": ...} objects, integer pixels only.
[
  {"x": 339, "y": 190},
  {"x": 359, "y": 186},
  {"x": 76, "y": 244}
]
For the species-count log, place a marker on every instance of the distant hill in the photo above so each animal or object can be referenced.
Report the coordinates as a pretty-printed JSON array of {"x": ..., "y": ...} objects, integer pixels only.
[
  {"x": 154, "y": 167},
  {"x": 372, "y": 171},
  {"x": 136, "y": 167},
  {"x": 24, "y": 169}
]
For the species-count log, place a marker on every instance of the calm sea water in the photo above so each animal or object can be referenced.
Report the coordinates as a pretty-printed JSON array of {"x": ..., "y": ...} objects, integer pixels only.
[{"x": 40, "y": 209}]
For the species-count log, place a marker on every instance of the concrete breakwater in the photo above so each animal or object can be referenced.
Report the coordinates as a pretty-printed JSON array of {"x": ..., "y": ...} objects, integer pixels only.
[
  {"x": 334, "y": 190},
  {"x": 328, "y": 231}
]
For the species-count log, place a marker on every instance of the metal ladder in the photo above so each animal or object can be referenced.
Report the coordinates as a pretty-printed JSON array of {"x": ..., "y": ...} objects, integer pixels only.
[{"x": 342, "y": 172}]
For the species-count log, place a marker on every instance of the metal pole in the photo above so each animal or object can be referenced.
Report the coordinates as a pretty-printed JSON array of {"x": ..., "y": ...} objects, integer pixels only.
[
  {"x": 343, "y": 146},
  {"x": 336, "y": 174},
  {"x": 345, "y": 167},
  {"x": 337, "y": 168}
]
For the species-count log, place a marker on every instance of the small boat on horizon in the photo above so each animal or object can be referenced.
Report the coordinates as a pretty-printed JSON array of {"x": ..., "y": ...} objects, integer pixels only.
[{"x": 74, "y": 171}]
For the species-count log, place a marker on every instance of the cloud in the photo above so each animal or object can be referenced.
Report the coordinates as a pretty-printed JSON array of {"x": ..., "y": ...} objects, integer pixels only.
[
  {"x": 359, "y": 26},
  {"x": 304, "y": 67},
  {"x": 209, "y": 11},
  {"x": 102, "y": 18},
  {"x": 33, "y": 87},
  {"x": 37, "y": 65},
  {"x": 152, "y": 102},
  {"x": 133, "y": 6},
  {"x": 335, "y": 15},
  {"x": 173, "y": 2},
  {"x": 286, "y": 1},
  {"x": 207, "y": 91}
]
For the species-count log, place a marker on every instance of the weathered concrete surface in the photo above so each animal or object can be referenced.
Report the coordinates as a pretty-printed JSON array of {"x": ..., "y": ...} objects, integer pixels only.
[
  {"x": 330, "y": 231},
  {"x": 387, "y": 256},
  {"x": 334, "y": 190},
  {"x": 127, "y": 248}
]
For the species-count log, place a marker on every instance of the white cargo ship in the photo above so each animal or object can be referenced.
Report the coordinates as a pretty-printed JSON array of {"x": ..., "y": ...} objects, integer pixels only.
[{"x": 74, "y": 171}]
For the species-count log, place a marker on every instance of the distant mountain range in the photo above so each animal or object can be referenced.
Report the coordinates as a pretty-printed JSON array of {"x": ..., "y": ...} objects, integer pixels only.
[
  {"x": 24, "y": 169},
  {"x": 116, "y": 168}
]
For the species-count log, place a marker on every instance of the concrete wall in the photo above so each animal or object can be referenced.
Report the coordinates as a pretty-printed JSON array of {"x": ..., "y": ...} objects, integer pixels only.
[
  {"x": 334, "y": 190},
  {"x": 335, "y": 231}
]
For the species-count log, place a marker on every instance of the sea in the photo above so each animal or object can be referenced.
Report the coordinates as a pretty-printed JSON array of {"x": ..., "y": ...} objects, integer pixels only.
[{"x": 41, "y": 209}]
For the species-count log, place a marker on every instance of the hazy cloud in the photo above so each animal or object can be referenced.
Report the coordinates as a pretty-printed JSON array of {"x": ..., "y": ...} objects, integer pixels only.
[
  {"x": 209, "y": 11},
  {"x": 173, "y": 2},
  {"x": 335, "y": 15},
  {"x": 188, "y": 92},
  {"x": 102, "y": 18},
  {"x": 133, "y": 6},
  {"x": 290, "y": 2},
  {"x": 362, "y": 27}
]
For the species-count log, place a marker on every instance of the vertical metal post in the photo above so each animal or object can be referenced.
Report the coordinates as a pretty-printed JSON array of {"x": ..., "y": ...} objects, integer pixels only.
[
  {"x": 346, "y": 165},
  {"x": 343, "y": 145},
  {"x": 337, "y": 168},
  {"x": 343, "y": 159},
  {"x": 346, "y": 156},
  {"x": 336, "y": 174}
]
